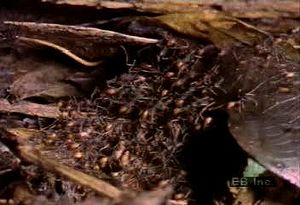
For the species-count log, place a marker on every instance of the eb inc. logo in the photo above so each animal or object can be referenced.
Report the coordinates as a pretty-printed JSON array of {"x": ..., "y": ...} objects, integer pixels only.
[{"x": 252, "y": 182}]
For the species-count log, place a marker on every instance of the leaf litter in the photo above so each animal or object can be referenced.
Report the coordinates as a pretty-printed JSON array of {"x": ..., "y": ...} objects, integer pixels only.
[{"x": 131, "y": 133}]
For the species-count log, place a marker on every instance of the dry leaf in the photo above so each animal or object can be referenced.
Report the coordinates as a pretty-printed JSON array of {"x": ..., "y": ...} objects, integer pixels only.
[
  {"x": 46, "y": 83},
  {"x": 267, "y": 127},
  {"x": 287, "y": 49},
  {"x": 214, "y": 26}
]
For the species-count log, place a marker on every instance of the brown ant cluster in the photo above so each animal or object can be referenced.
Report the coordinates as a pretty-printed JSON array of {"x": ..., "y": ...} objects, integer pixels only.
[
  {"x": 139, "y": 122},
  {"x": 131, "y": 132}
]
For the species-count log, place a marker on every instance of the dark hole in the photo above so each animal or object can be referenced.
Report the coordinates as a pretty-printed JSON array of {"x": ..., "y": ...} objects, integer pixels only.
[
  {"x": 38, "y": 100},
  {"x": 287, "y": 129},
  {"x": 59, "y": 187},
  {"x": 6, "y": 183},
  {"x": 210, "y": 158}
]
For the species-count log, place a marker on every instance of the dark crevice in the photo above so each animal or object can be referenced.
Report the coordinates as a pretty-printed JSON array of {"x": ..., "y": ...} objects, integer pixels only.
[{"x": 211, "y": 157}]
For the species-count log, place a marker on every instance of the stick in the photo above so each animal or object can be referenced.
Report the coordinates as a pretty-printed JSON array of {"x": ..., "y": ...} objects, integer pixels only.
[{"x": 36, "y": 157}]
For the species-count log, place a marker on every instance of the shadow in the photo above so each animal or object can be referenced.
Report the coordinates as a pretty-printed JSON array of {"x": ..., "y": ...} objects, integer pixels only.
[
  {"x": 7, "y": 181},
  {"x": 36, "y": 10},
  {"x": 211, "y": 157}
]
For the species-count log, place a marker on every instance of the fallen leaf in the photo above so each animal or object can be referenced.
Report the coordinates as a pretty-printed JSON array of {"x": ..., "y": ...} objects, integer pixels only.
[
  {"x": 288, "y": 50},
  {"x": 46, "y": 83},
  {"x": 214, "y": 26},
  {"x": 268, "y": 129}
]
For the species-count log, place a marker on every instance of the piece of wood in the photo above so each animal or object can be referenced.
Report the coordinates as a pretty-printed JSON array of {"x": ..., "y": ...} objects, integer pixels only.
[
  {"x": 93, "y": 35},
  {"x": 29, "y": 108},
  {"x": 36, "y": 157},
  {"x": 18, "y": 140},
  {"x": 237, "y": 8}
]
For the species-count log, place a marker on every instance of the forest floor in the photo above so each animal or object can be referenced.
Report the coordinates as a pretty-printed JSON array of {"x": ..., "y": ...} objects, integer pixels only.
[{"x": 113, "y": 102}]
